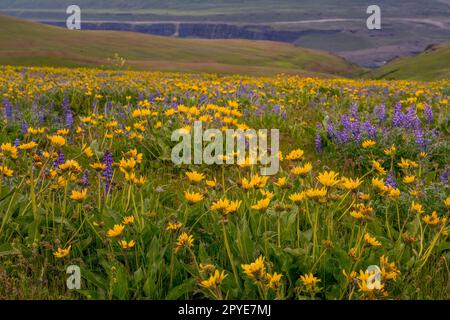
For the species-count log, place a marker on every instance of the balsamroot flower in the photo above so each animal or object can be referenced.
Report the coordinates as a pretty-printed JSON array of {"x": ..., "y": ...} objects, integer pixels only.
[
  {"x": 78, "y": 196},
  {"x": 328, "y": 178},
  {"x": 184, "y": 240},
  {"x": 193, "y": 197},
  {"x": 115, "y": 231},
  {"x": 309, "y": 280},
  {"x": 226, "y": 206},
  {"x": 61, "y": 253},
  {"x": 255, "y": 269}
]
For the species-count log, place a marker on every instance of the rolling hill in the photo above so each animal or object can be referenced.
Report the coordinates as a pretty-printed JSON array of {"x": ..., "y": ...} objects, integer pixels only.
[
  {"x": 432, "y": 64},
  {"x": 28, "y": 43},
  {"x": 333, "y": 26}
]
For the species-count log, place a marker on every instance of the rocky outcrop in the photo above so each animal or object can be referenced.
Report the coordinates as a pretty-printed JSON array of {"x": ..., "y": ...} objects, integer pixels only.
[{"x": 203, "y": 30}]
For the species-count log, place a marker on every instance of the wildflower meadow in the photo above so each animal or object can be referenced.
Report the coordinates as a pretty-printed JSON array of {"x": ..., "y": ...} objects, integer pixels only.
[{"x": 358, "y": 208}]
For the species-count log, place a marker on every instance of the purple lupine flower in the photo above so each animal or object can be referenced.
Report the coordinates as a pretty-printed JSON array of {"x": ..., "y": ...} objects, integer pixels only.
[
  {"x": 108, "y": 171},
  {"x": 85, "y": 179},
  {"x": 420, "y": 139},
  {"x": 390, "y": 181},
  {"x": 356, "y": 130},
  {"x": 444, "y": 177},
  {"x": 41, "y": 117},
  {"x": 397, "y": 119},
  {"x": 61, "y": 159},
  {"x": 343, "y": 136},
  {"x": 318, "y": 139},
  {"x": 370, "y": 129},
  {"x": 24, "y": 127},
  {"x": 140, "y": 96},
  {"x": 276, "y": 109},
  {"x": 428, "y": 113},
  {"x": 354, "y": 110},
  {"x": 7, "y": 109},
  {"x": 69, "y": 118},
  {"x": 382, "y": 113},
  {"x": 16, "y": 142},
  {"x": 410, "y": 118},
  {"x": 345, "y": 121},
  {"x": 330, "y": 129}
]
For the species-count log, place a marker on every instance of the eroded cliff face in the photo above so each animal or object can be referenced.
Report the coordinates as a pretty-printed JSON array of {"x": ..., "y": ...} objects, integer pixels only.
[{"x": 203, "y": 30}]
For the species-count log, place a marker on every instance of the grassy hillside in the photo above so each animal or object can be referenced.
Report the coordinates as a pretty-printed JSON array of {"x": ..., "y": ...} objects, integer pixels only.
[
  {"x": 28, "y": 43},
  {"x": 432, "y": 64}
]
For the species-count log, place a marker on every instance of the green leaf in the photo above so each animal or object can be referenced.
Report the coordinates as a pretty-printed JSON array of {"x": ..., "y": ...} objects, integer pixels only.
[{"x": 183, "y": 289}]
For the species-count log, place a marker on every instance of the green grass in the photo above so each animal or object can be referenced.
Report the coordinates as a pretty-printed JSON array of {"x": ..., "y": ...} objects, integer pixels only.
[
  {"x": 28, "y": 43},
  {"x": 429, "y": 65}
]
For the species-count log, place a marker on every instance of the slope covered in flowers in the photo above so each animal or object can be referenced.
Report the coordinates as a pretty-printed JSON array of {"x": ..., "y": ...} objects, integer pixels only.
[{"x": 87, "y": 179}]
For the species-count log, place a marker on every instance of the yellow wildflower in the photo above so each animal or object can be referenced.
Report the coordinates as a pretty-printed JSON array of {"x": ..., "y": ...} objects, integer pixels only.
[
  {"x": 61, "y": 253},
  {"x": 350, "y": 184},
  {"x": 417, "y": 207},
  {"x": 295, "y": 154},
  {"x": 432, "y": 219},
  {"x": 372, "y": 241},
  {"x": 255, "y": 269},
  {"x": 281, "y": 182},
  {"x": 128, "y": 220},
  {"x": 378, "y": 168},
  {"x": 5, "y": 171},
  {"x": 78, "y": 195},
  {"x": 115, "y": 231},
  {"x": 184, "y": 240},
  {"x": 193, "y": 197},
  {"x": 27, "y": 146},
  {"x": 173, "y": 226},
  {"x": 409, "y": 179},
  {"x": 309, "y": 280},
  {"x": 316, "y": 192},
  {"x": 9, "y": 149},
  {"x": 226, "y": 206},
  {"x": 368, "y": 144},
  {"x": 214, "y": 280},
  {"x": 195, "y": 176},
  {"x": 127, "y": 245},
  {"x": 57, "y": 141},
  {"x": 273, "y": 279},
  {"x": 261, "y": 204},
  {"x": 328, "y": 178},
  {"x": 297, "y": 197},
  {"x": 302, "y": 170}
]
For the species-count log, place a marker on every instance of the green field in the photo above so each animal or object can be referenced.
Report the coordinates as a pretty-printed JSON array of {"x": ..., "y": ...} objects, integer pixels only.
[
  {"x": 431, "y": 64},
  {"x": 28, "y": 43}
]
